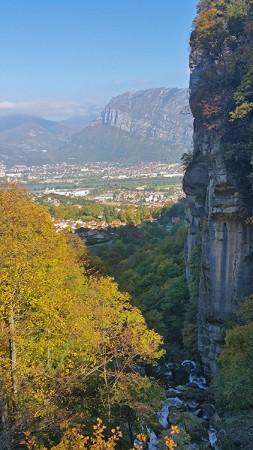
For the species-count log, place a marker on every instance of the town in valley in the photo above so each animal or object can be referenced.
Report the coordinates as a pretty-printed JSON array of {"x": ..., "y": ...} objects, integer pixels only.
[{"x": 123, "y": 194}]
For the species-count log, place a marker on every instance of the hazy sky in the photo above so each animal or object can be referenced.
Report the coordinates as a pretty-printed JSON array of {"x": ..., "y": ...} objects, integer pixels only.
[{"x": 60, "y": 57}]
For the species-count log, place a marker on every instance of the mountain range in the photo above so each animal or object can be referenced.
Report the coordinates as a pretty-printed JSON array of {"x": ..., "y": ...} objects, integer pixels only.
[{"x": 146, "y": 125}]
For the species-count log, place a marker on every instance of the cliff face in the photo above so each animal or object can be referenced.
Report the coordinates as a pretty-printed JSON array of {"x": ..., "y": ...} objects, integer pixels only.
[
  {"x": 159, "y": 113},
  {"x": 146, "y": 125},
  {"x": 217, "y": 181}
]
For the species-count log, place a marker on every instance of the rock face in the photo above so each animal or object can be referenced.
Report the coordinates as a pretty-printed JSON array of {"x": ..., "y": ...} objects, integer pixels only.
[
  {"x": 219, "y": 201},
  {"x": 216, "y": 215},
  {"x": 160, "y": 113},
  {"x": 146, "y": 125}
]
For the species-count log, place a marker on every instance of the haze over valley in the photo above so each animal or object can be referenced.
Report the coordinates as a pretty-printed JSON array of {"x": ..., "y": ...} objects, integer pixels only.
[{"x": 147, "y": 125}]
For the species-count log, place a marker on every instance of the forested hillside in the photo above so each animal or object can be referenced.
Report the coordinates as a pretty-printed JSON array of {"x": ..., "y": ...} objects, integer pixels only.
[
  {"x": 148, "y": 262},
  {"x": 71, "y": 343},
  {"x": 82, "y": 363},
  {"x": 61, "y": 207}
]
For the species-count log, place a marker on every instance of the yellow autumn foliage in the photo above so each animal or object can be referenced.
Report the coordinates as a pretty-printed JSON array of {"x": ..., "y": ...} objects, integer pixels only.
[{"x": 62, "y": 332}]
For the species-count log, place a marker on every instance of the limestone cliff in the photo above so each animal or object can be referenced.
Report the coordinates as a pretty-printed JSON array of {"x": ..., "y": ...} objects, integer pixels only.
[
  {"x": 147, "y": 125},
  {"x": 217, "y": 181},
  {"x": 159, "y": 113}
]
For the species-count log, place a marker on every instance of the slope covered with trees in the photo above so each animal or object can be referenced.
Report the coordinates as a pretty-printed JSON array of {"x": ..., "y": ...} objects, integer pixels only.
[
  {"x": 86, "y": 210},
  {"x": 148, "y": 262},
  {"x": 71, "y": 343}
]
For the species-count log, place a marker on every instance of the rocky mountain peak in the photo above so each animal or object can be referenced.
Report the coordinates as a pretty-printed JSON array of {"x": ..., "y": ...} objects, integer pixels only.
[
  {"x": 146, "y": 125},
  {"x": 154, "y": 113}
]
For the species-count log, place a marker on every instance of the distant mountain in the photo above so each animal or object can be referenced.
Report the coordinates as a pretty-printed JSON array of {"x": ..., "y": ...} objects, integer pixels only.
[
  {"x": 147, "y": 125},
  {"x": 78, "y": 123},
  {"x": 26, "y": 139},
  {"x": 30, "y": 140}
]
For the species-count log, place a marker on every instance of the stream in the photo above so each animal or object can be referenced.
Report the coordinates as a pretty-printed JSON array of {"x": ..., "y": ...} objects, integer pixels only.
[{"x": 190, "y": 399}]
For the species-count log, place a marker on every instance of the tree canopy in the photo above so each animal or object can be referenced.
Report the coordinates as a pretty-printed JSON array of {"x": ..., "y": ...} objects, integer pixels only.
[{"x": 70, "y": 342}]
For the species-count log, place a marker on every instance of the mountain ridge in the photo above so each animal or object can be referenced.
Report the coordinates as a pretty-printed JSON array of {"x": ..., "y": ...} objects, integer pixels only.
[
  {"x": 30, "y": 139},
  {"x": 140, "y": 126},
  {"x": 146, "y": 125}
]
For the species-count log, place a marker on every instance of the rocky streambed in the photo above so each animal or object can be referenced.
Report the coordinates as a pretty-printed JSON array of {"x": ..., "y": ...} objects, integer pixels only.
[{"x": 187, "y": 405}]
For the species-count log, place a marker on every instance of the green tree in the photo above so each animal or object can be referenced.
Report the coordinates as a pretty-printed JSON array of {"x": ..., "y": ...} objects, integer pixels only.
[{"x": 233, "y": 386}]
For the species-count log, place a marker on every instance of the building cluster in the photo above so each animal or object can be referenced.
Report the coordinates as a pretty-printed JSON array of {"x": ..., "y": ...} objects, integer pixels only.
[
  {"x": 70, "y": 173},
  {"x": 68, "y": 192},
  {"x": 101, "y": 182},
  {"x": 92, "y": 231},
  {"x": 92, "y": 225},
  {"x": 148, "y": 197}
]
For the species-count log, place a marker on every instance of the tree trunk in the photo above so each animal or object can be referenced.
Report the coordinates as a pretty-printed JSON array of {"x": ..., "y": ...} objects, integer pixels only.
[
  {"x": 13, "y": 353},
  {"x": 108, "y": 393}
]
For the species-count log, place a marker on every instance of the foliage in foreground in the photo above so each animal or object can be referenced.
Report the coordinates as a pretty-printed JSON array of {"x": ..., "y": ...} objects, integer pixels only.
[
  {"x": 234, "y": 386},
  {"x": 71, "y": 343},
  {"x": 73, "y": 439}
]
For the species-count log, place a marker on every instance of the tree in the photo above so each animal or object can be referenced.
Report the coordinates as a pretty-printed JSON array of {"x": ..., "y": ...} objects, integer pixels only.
[
  {"x": 233, "y": 387},
  {"x": 152, "y": 268},
  {"x": 39, "y": 281},
  {"x": 73, "y": 439},
  {"x": 66, "y": 337}
]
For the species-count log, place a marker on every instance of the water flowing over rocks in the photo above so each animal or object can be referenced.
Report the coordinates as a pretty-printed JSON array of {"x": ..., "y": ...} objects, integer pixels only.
[
  {"x": 153, "y": 442},
  {"x": 186, "y": 404},
  {"x": 213, "y": 438}
]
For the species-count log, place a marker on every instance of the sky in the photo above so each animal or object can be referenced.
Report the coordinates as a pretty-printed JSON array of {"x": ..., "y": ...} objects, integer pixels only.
[{"x": 61, "y": 58}]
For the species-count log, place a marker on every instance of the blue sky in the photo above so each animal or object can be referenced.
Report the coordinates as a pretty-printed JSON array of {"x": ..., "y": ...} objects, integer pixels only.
[{"x": 60, "y": 57}]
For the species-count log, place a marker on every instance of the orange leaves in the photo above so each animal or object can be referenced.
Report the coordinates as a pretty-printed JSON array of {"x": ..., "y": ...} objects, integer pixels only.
[
  {"x": 140, "y": 442},
  {"x": 211, "y": 106},
  {"x": 175, "y": 429},
  {"x": 206, "y": 21},
  {"x": 170, "y": 442},
  {"x": 73, "y": 439},
  {"x": 98, "y": 440}
]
